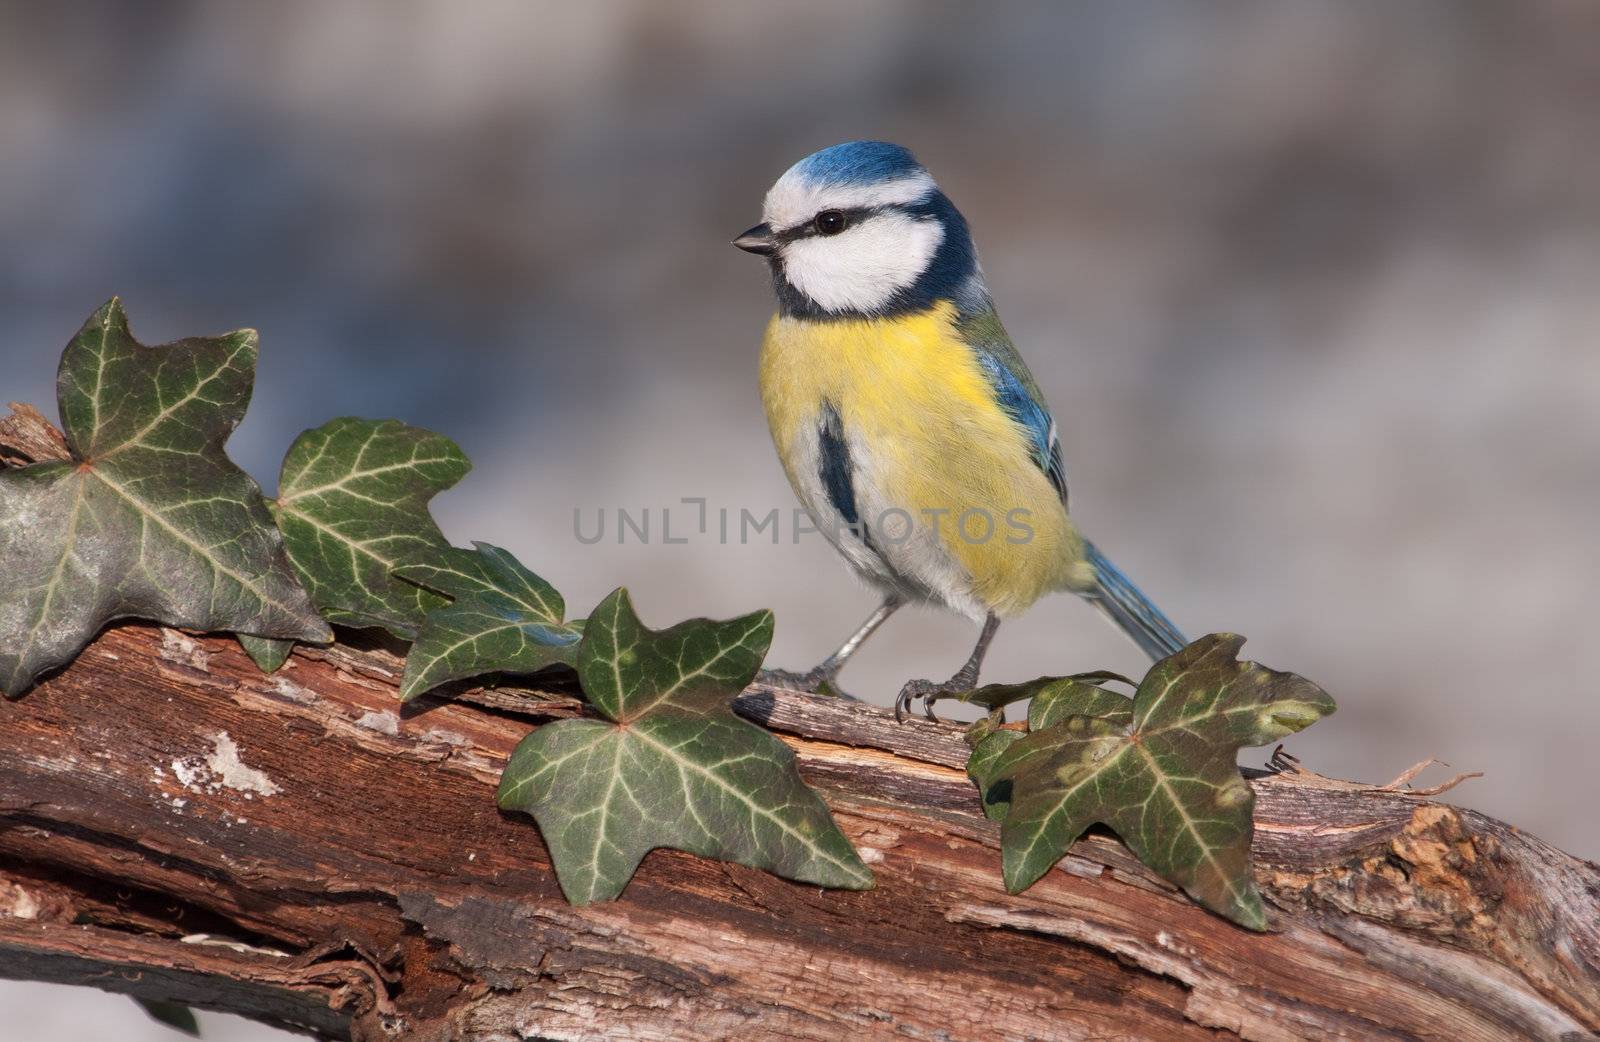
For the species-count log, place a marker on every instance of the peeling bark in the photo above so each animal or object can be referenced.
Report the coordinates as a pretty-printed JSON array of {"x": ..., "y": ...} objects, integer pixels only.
[
  {"x": 27, "y": 437},
  {"x": 303, "y": 850},
  {"x": 300, "y": 849}
]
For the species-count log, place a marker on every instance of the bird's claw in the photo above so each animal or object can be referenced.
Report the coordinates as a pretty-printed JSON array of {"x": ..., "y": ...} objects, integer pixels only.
[
  {"x": 930, "y": 691},
  {"x": 1283, "y": 762}
]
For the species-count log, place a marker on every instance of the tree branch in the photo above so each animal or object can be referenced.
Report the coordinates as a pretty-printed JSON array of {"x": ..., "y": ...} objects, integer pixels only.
[{"x": 300, "y": 849}]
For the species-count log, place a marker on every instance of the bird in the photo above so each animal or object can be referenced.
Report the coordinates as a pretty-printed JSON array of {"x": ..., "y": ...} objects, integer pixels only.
[{"x": 905, "y": 418}]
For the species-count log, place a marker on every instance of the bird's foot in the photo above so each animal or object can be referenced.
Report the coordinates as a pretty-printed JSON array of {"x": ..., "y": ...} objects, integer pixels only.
[
  {"x": 818, "y": 681},
  {"x": 931, "y": 691},
  {"x": 1284, "y": 762}
]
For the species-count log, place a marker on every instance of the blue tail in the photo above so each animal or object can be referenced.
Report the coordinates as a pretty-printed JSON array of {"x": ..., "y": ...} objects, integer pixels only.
[{"x": 1130, "y": 609}]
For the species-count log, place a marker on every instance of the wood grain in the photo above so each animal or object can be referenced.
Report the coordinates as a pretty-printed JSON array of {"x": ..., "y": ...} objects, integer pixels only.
[{"x": 300, "y": 849}]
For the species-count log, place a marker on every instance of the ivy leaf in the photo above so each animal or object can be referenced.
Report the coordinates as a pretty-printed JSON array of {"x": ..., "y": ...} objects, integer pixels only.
[
  {"x": 998, "y": 696},
  {"x": 174, "y": 1015},
  {"x": 1166, "y": 780},
  {"x": 149, "y": 519},
  {"x": 1056, "y": 698},
  {"x": 1053, "y": 699},
  {"x": 352, "y": 503},
  {"x": 269, "y": 655},
  {"x": 671, "y": 765},
  {"x": 504, "y": 619},
  {"x": 986, "y": 754}
]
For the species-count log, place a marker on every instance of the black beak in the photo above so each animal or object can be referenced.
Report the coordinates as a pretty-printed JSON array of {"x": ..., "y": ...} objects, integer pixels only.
[{"x": 758, "y": 240}]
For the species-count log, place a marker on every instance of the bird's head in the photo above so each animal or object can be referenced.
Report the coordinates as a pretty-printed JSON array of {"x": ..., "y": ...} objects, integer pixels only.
[{"x": 862, "y": 229}]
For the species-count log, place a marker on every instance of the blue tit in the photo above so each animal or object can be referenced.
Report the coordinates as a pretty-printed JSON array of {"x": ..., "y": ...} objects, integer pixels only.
[{"x": 908, "y": 423}]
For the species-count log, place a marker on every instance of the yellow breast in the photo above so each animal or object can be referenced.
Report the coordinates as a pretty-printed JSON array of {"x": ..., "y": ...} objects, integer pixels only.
[{"x": 913, "y": 398}]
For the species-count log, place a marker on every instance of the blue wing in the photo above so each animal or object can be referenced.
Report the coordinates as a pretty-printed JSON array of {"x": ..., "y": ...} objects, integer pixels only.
[{"x": 1019, "y": 398}]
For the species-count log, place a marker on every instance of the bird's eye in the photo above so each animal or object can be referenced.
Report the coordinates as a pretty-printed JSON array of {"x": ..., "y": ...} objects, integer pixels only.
[{"x": 830, "y": 222}]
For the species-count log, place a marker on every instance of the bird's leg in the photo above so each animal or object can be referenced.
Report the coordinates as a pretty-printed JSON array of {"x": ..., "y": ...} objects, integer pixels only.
[
  {"x": 828, "y": 668},
  {"x": 965, "y": 679}
]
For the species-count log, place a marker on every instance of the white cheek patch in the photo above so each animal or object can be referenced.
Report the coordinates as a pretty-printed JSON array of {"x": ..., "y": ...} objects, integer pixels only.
[
  {"x": 795, "y": 200},
  {"x": 863, "y": 267}
]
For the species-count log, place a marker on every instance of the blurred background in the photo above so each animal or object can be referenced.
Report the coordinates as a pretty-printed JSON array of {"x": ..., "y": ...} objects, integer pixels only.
[{"x": 1313, "y": 288}]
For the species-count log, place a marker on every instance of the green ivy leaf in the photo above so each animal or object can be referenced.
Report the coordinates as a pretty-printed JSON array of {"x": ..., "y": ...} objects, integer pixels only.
[
  {"x": 353, "y": 504},
  {"x": 1166, "y": 779},
  {"x": 174, "y": 1015},
  {"x": 269, "y": 655},
  {"x": 149, "y": 519},
  {"x": 986, "y": 754},
  {"x": 998, "y": 696},
  {"x": 1056, "y": 698},
  {"x": 504, "y": 619},
  {"x": 1052, "y": 699},
  {"x": 671, "y": 765}
]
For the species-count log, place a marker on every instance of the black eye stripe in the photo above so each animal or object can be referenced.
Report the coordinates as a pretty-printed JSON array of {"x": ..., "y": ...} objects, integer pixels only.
[{"x": 852, "y": 216}]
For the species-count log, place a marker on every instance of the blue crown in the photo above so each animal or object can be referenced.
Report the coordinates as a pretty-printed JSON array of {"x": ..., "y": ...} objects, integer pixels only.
[{"x": 858, "y": 163}]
